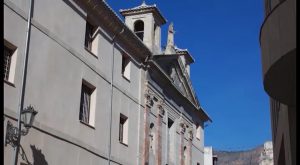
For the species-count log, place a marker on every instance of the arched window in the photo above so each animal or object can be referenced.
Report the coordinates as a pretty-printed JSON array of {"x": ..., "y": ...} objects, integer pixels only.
[{"x": 139, "y": 29}]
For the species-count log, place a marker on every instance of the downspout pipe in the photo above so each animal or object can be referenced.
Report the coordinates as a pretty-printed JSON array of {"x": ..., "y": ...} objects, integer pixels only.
[
  {"x": 112, "y": 90},
  {"x": 22, "y": 92}
]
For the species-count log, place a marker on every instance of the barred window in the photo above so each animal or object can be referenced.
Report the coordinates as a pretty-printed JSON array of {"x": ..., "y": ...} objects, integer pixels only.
[
  {"x": 9, "y": 57},
  {"x": 7, "y": 61},
  {"x": 85, "y": 103}
]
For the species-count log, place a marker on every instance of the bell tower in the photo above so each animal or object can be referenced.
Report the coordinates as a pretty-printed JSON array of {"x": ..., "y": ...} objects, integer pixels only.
[{"x": 145, "y": 21}]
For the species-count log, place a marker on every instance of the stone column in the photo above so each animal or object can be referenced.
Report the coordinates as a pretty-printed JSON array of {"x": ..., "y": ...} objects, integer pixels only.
[
  {"x": 189, "y": 148},
  {"x": 182, "y": 130},
  {"x": 148, "y": 105},
  {"x": 161, "y": 113}
]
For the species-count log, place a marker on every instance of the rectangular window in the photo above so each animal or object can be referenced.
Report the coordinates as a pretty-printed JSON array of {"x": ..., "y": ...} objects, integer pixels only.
[
  {"x": 86, "y": 102},
  {"x": 91, "y": 41},
  {"x": 123, "y": 129},
  {"x": 9, "y": 61},
  {"x": 126, "y": 66}
]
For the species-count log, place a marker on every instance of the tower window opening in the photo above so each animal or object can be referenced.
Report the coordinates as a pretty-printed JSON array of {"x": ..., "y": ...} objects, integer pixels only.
[{"x": 139, "y": 29}]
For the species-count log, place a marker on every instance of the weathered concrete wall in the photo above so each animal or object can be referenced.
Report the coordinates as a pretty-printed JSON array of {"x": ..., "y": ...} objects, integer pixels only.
[{"x": 57, "y": 65}]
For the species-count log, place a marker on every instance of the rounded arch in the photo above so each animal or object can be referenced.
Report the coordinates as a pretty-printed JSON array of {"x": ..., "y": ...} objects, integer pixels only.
[
  {"x": 138, "y": 25},
  {"x": 139, "y": 29}
]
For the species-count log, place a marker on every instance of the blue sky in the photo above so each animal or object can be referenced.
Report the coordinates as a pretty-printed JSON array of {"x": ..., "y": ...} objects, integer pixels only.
[{"x": 223, "y": 37}]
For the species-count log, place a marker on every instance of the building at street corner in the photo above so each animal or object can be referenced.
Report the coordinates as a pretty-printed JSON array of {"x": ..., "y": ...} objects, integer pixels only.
[
  {"x": 278, "y": 54},
  {"x": 105, "y": 90}
]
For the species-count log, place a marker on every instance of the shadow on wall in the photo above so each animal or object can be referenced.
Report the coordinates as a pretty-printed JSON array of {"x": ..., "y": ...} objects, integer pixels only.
[{"x": 38, "y": 156}]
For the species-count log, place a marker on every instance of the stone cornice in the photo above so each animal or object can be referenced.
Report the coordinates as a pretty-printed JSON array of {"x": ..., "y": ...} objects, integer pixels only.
[
  {"x": 142, "y": 9},
  {"x": 166, "y": 79},
  {"x": 186, "y": 54},
  {"x": 187, "y": 83},
  {"x": 161, "y": 109}
]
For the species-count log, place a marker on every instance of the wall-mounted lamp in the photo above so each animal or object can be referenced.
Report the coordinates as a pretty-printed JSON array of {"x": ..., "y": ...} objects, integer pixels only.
[{"x": 12, "y": 132}]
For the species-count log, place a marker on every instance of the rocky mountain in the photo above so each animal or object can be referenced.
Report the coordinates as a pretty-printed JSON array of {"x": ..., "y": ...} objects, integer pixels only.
[{"x": 247, "y": 157}]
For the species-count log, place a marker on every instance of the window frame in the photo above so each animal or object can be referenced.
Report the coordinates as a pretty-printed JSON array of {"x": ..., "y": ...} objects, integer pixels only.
[
  {"x": 87, "y": 90},
  {"x": 126, "y": 66},
  {"x": 139, "y": 29},
  {"x": 123, "y": 129},
  {"x": 8, "y": 53},
  {"x": 12, "y": 51},
  {"x": 91, "y": 37}
]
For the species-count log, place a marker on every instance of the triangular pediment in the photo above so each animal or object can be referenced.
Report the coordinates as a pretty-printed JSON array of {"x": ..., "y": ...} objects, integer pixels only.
[{"x": 173, "y": 67}]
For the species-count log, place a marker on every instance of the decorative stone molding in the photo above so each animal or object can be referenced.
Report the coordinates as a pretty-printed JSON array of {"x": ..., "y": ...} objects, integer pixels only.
[
  {"x": 182, "y": 128},
  {"x": 191, "y": 136},
  {"x": 161, "y": 111},
  {"x": 160, "y": 106},
  {"x": 144, "y": 8},
  {"x": 149, "y": 97}
]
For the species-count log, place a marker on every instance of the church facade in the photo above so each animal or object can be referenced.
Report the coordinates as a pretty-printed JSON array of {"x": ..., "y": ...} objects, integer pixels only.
[{"x": 105, "y": 90}]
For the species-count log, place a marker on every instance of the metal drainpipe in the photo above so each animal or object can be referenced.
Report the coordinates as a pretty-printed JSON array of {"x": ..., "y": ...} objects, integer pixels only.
[
  {"x": 111, "y": 93},
  {"x": 22, "y": 92}
]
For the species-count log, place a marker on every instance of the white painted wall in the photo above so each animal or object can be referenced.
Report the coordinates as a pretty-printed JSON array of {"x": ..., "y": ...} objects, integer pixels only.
[{"x": 208, "y": 156}]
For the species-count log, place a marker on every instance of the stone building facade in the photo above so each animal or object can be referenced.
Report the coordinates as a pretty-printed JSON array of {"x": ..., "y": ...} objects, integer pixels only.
[
  {"x": 278, "y": 49},
  {"x": 266, "y": 156},
  {"x": 105, "y": 91}
]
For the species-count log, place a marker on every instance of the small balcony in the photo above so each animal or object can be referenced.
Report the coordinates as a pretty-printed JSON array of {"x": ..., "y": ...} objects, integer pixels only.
[{"x": 278, "y": 48}]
